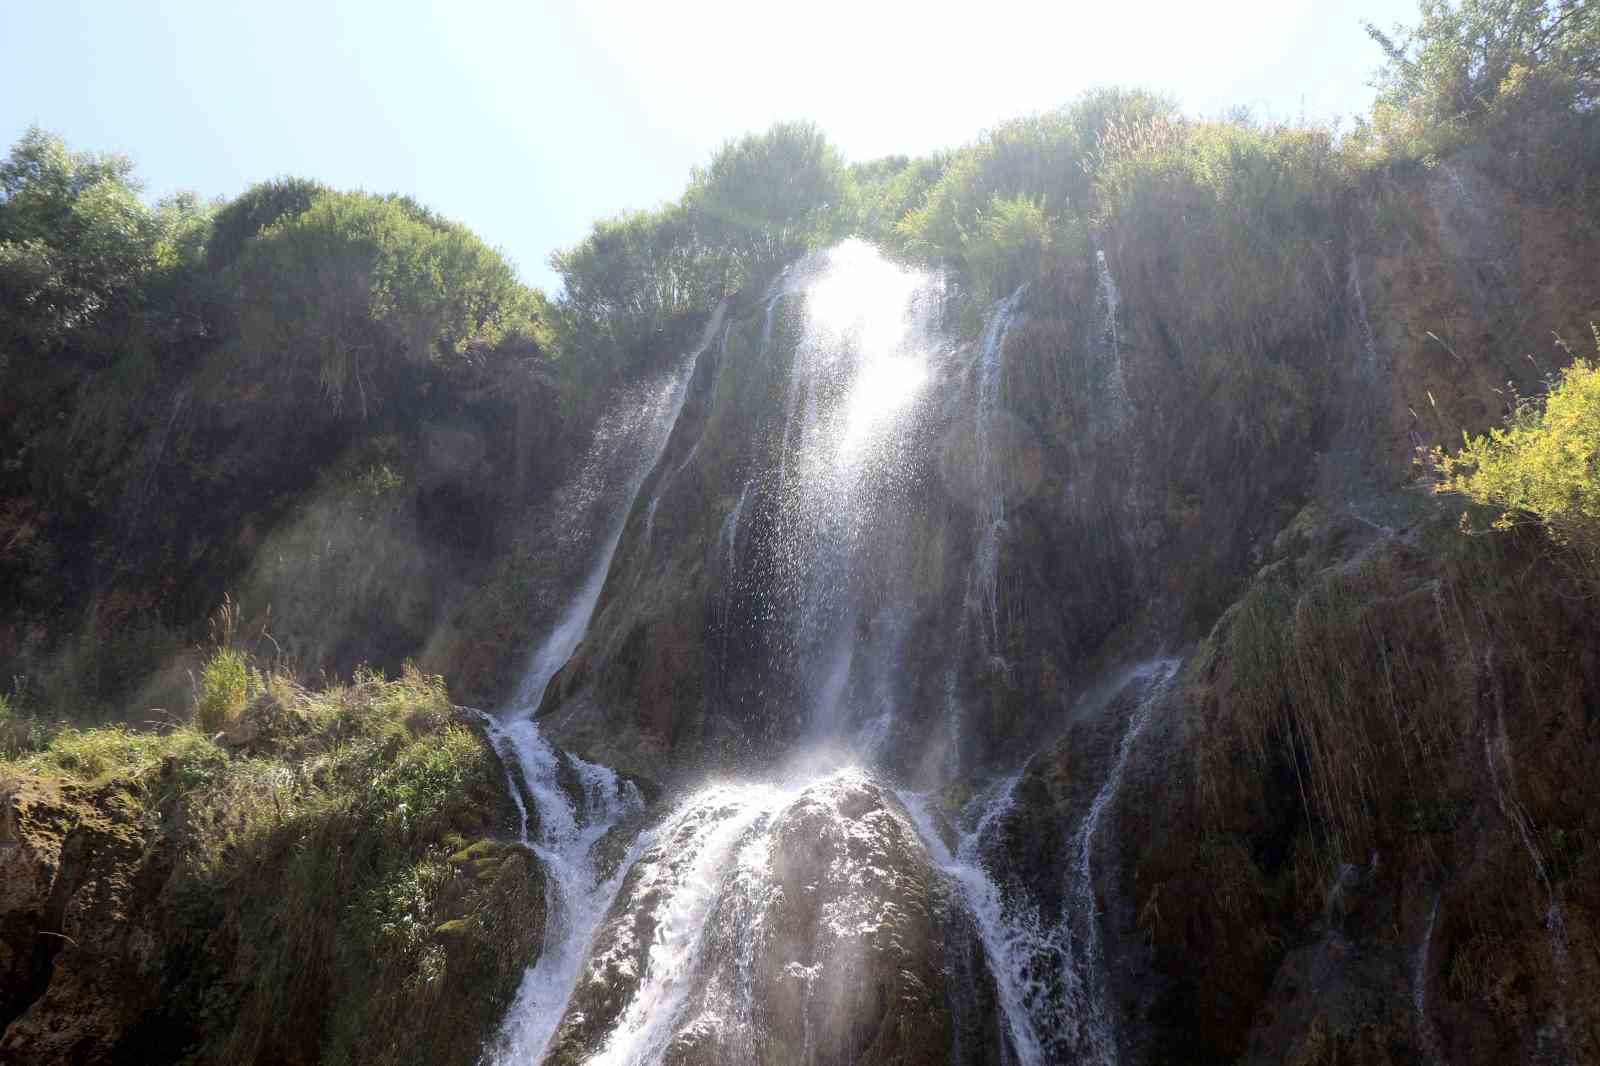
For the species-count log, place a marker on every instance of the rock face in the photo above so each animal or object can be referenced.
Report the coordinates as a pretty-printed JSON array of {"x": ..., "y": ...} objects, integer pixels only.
[
  {"x": 774, "y": 925},
  {"x": 1352, "y": 827},
  {"x": 77, "y": 964}
]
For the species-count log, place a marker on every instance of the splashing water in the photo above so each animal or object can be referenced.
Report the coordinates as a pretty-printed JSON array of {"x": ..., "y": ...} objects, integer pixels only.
[
  {"x": 576, "y": 896},
  {"x": 868, "y": 329},
  {"x": 1014, "y": 939},
  {"x": 693, "y": 940}
]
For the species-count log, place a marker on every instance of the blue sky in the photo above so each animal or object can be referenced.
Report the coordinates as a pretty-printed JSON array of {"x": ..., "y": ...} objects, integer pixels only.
[{"x": 528, "y": 120}]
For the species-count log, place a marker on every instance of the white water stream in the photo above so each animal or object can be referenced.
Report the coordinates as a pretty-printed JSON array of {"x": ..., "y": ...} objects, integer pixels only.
[{"x": 562, "y": 828}]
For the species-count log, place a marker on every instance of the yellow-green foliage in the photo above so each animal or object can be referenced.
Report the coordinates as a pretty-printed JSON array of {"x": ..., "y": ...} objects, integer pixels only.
[
  {"x": 1542, "y": 465},
  {"x": 226, "y": 683},
  {"x": 92, "y": 754}
]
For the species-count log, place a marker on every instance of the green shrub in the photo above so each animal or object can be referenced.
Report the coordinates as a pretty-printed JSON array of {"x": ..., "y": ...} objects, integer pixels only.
[
  {"x": 355, "y": 288},
  {"x": 226, "y": 684},
  {"x": 254, "y": 210},
  {"x": 1543, "y": 465},
  {"x": 1471, "y": 64}
]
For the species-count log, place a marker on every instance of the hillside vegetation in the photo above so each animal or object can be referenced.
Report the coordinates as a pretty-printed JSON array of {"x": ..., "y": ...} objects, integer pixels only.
[{"x": 343, "y": 417}]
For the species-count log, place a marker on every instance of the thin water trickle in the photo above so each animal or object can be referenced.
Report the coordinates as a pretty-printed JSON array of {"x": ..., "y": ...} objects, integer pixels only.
[
  {"x": 1092, "y": 993},
  {"x": 1369, "y": 344},
  {"x": 1107, "y": 303},
  {"x": 1420, "y": 968},
  {"x": 1497, "y": 753}
]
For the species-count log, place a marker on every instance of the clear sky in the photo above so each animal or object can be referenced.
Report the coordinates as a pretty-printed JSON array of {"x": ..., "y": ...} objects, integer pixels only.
[{"x": 527, "y": 120}]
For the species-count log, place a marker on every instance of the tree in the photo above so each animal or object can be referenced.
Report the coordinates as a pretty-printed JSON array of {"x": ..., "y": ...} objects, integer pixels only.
[
  {"x": 1470, "y": 61},
  {"x": 76, "y": 242},
  {"x": 355, "y": 287},
  {"x": 1542, "y": 465},
  {"x": 767, "y": 198}
]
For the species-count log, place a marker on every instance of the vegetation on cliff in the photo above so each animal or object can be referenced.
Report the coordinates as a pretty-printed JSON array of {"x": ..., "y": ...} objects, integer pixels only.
[
  {"x": 1543, "y": 465},
  {"x": 315, "y": 877}
]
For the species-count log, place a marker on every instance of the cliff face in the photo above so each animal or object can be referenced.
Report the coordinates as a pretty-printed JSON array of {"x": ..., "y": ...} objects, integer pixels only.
[
  {"x": 1355, "y": 829},
  {"x": 1216, "y": 740}
]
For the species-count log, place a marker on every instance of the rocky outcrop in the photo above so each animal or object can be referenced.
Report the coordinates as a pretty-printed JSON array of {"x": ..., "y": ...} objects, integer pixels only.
[
  {"x": 126, "y": 937},
  {"x": 776, "y": 926}
]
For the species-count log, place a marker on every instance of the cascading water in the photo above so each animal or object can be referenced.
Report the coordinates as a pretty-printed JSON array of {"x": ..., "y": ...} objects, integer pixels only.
[
  {"x": 1050, "y": 978},
  {"x": 569, "y": 826},
  {"x": 868, "y": 332},
  {"x": 1015, "y": 940},
  {"x": 751, "y": 912}
]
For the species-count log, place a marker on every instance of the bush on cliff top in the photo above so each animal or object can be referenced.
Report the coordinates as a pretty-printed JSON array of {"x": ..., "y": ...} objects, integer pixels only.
[{"x": 1543, "y": 465}]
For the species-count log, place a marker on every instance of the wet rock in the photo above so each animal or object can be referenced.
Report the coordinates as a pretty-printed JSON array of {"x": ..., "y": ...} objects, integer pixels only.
[{"x": 773, "y": 925}]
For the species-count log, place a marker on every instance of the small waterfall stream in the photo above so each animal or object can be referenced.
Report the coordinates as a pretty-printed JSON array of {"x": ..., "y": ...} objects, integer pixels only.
[
  {"x": 1107, "y": 303},
  {"x": 1092, "y": 993},
  {"x": 1420, "y": 966},
  {"x": 1014, "y": 938}
]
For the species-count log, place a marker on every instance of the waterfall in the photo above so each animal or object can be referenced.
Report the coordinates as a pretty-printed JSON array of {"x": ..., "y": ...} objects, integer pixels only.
[
  {"x": 868, "y": 331},
  {"x": 1014, "y": 938},
  {"x": 1088, "y": 996},
  {"x": 568, "y": 827},
  {"x": 1107, "y": 303},
  {"x": 687, "y": 950}
]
